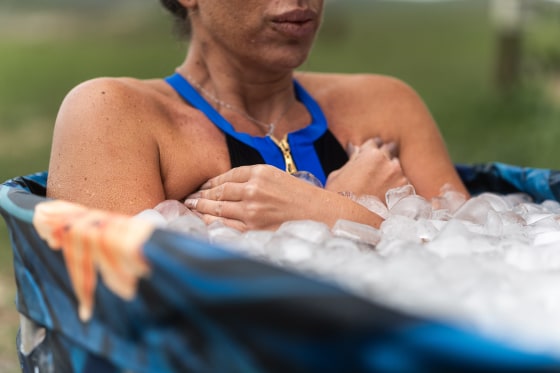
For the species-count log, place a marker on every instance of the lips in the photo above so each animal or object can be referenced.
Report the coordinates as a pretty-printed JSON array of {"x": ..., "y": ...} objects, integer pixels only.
[
  {"x": 298, "y": 23},
  {"x": 296, "y": 15}
]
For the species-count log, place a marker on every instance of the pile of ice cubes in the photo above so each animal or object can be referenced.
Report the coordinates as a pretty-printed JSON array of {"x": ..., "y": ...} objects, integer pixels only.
[{"x": 491, "y": 262}]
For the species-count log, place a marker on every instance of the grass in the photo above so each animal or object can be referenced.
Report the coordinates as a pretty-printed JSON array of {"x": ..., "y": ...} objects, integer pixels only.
[
  {"x": 445, "y": 51},
  {"x": 36, "y": 71}
]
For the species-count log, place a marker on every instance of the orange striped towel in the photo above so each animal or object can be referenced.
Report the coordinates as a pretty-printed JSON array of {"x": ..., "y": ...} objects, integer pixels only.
[{"x": 95, "y": 241}]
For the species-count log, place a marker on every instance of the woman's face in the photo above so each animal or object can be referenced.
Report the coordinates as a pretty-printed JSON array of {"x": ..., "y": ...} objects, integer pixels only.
[{"x": 273, "y": 33}]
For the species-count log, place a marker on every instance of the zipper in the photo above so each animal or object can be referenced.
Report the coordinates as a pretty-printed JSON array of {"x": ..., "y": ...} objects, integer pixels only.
[{"x": 286, "y": 152}]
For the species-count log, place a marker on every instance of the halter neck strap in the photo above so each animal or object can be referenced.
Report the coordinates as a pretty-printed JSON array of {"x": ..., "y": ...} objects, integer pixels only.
[{"x": 300, "y": 141}]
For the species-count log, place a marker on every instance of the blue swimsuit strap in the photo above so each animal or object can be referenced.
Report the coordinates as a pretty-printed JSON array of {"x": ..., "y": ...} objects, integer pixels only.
[{"x": 301, "y": 141}]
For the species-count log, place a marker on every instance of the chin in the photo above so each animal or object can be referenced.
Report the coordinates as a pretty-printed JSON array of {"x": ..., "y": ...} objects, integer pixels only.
[
  {"x": 287, "y": 61},
  {"x": 293, "y": 64}
]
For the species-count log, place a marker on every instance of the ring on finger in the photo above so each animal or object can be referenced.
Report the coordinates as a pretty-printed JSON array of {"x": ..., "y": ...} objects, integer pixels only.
[{"x": 191, "y": 203}]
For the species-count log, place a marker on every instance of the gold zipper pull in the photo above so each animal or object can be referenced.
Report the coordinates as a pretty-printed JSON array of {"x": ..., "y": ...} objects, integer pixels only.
[{"x": 286, "y": 152}]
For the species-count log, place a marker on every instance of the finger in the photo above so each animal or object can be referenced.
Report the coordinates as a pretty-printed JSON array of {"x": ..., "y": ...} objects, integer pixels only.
[
  {"x": 223, "y": 192},
  {"x": 403, "y": 180},
  {"x": 235, "y": 175},
  {"x": 373, "y": 143},
  {"x": 370, "y": 150},
  {"x": 390, "y": 149},
  {"x": 352, "y": 150},
  {"x": 220, "y": 209},
  {"x": 192, "y": 203},
  {"x": 232, "y": 223},
  {"x": 397, "y": 162},
  {"x": 333, "y": 175},
  {"x": 195, "y": 195}
]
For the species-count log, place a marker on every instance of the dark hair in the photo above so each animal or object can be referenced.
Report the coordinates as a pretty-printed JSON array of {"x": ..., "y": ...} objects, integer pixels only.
[{"x": 182, "y": 24}]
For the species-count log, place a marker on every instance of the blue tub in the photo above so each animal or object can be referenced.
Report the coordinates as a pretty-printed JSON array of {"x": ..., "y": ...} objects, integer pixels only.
[{"x": 202, "y": 308}]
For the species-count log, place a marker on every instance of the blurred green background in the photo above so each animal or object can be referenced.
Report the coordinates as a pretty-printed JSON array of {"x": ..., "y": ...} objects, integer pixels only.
[{"x": 448, "y": 51}]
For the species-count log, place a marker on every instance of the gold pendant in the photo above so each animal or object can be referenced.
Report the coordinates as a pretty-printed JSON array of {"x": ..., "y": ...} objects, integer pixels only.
[{"x": 286, "y": 152}]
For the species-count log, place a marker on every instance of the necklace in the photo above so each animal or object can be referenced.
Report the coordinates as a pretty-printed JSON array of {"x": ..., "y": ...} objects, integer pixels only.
[
  {"x": 282, "y": 144},
  {"x": 269, "y": 127}
]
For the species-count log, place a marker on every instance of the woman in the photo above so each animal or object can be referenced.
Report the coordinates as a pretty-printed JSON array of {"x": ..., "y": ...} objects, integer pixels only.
[{"x": 125, "y": 145}]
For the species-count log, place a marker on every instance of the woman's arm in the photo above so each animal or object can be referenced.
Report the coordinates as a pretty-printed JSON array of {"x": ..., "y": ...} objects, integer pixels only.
[
  {"x": 103, "y": 154},
  {"x": 422, "y": 152},
  {"x": 360, "y": 107},
  {"x": 373, "y": 169},
  {"x": 264, "y": 197},
  {"x": 261, "y": 197}
]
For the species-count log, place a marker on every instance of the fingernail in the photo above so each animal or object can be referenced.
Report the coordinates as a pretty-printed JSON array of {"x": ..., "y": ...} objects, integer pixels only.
[
  {"x": 191, "y": 203},
  {"x": 352, "y": 149},
  {"x": 207, "y": 185},
  {"x": 392, "y": 148}
]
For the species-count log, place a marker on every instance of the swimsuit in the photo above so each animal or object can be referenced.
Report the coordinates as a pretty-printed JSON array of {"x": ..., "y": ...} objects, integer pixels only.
[{"x": 313, "y": 148}]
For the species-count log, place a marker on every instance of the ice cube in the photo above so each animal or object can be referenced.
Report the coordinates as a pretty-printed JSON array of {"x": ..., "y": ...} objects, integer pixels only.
[
  {"x": 190, "y": 224},
  {"x": 474, "y": 210},
  {"x": 449, "y": 200},
  {"x": 254, "y": 241},
  {"x": 548, "y": 238},
  {"x": 153, "y": 217},
  {"x": 394, "y": 195},
  {"x": 343, "y": 246},
  {"x": 453, "y": 239},
  {"x": 286, "y": 249},
  {"x": 427, "y": 230},
  {"x": 309, "y": 178},
  {"x": 493, "y": 225},
  {"x": 218, "y": 232},
  {"x": 373, "y": 204},
  {"x": 399, "y": 227},
  {"x": 357, "y": 232},
  {"x": 393, "y": 247},
  {"x": 171, "y": 209},
  {"x": 552, "y": 206},
  {"x": 497, "y": 202},
  {"x": 308, "y": 230},
  {"x": 412, "y": 206},
  {"x": 535, "y": 258}
]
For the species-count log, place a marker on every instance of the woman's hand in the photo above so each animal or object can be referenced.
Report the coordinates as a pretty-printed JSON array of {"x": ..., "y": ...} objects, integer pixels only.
[
  {"x": 257, "y": 197},
  {"x": 264, "y": 197},
  {"x": 372, "y": 169}
]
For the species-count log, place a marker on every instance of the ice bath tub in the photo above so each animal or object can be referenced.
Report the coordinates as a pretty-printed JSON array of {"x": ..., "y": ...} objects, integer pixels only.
[{"x": 111, "y": 295}]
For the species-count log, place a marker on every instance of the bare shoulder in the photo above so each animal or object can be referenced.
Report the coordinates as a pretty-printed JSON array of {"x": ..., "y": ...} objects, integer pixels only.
[
  {"x": 104, "y": 138},
  {"x": 362, "y": 106},
  {"x": 104, "y": 100},
  {"x": 376, "y": 105},
  {"x": 356, "y": 87},
  {"x": 118, "y": 111}
]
